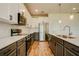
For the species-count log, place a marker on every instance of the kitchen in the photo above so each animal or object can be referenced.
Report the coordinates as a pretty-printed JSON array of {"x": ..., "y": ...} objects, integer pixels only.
[{"x": 39, "y": 29}]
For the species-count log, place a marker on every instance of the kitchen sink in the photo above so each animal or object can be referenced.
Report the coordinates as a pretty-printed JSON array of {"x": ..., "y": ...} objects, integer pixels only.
[{"x": 65, "y": 36}]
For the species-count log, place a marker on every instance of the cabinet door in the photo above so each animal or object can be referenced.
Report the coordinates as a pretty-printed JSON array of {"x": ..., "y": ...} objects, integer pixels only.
[
  {"x": 22, "y": 9},
  {"x": 21, "y": 50},
  {"x": 50, "y": 43},
  {"x": 13, "y": 12},
  {"x": 8, "y": 50},
  {"x": 28, "y": 44},
  {"x": 59, "y": 49},
  {"x": 4, "y": 12},
  {"x": 68, "y": 53},
  {"x": 12, "y": 53},
  {"x": 53, "y": 46}
]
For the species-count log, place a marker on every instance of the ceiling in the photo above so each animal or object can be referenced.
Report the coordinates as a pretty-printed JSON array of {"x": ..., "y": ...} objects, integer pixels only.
[{"x": 46, "y": 8}]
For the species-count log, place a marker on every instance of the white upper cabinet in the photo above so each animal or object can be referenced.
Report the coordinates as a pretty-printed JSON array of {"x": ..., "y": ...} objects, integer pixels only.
[
  {"x": 13, "y": 13},
  {"x": 9, "y": 12},
  {"x": 4, "y": 12},
  {"x": 22, "y": 9}
]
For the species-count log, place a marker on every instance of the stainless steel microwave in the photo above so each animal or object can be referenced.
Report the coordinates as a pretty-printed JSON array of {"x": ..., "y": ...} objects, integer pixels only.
[{"x": 21, "y": 19}]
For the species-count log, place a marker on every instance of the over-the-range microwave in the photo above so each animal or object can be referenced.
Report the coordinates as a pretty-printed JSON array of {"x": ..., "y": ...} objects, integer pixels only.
[{"x": 21, "y": 19}]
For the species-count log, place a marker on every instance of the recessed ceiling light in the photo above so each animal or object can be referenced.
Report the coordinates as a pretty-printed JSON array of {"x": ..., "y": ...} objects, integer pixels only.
[
  {"x": 74, "y": 8},
  {"x": 23, "y": 10},
  {"x": 71, "y": 17},
  {"x": 36, "y": 10},
  {"x": 59, "y": 21}
]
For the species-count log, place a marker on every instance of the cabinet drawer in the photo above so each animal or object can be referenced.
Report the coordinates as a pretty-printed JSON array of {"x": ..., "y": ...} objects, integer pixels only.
[
  {"x": 20, "y": 42},
  {"x": 7, "y": 50},
  {"x": 59, "y": 49},
  {"x": 68, "y": 52},
  {"x": 13, "y": 53},
  {"x": 74, "y": 49},
  {"x": 21, "y": 51},
  {"x": 58, "y": 39}
]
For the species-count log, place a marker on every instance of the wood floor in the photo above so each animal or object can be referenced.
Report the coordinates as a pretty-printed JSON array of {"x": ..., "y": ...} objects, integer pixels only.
[{"x": 40, "y": 49}]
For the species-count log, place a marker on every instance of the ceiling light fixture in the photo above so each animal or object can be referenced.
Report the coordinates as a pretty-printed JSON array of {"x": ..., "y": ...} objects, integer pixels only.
[
  {"x": 23, "y": 10},
  {"x": 74, "y": 9},
  {"x": 59, "y": 21},
  {"x": 71, "y": 17},
  {"x": 36, "y": 10}
]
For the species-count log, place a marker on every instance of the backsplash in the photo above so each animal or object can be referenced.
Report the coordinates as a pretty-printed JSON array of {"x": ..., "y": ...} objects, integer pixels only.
[
  {"x": 4, "y": 29},
  {"x": 56, "y": 27}
]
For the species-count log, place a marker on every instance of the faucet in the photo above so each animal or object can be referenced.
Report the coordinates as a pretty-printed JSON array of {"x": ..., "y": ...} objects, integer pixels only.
[{"x": 67, "y": 26}]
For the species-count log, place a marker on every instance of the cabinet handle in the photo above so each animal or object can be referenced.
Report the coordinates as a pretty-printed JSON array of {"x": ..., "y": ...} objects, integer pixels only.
[
  {"x": 55, "y": 43},
  {"x": 7, "y": 51},
  {"x": 10, "y": 17}
]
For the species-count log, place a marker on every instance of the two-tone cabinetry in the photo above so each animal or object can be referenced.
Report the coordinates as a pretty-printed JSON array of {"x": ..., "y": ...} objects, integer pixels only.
[
  {"x": 15, "y": 49},
  {"x": 19, "y": 48},
  {"x": 61, "y": 47}
]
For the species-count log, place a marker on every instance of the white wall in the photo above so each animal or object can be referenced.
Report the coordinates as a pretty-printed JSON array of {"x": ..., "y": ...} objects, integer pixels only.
[
  {"x": 4, "y": 30},
  {"x": 55, "y": 27}
]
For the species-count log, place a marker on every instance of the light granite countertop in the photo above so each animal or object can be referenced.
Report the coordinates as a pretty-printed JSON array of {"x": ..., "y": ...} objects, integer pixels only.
[
  {"x": 74, "y": 41},
  {"x": 9, "y": 40}
]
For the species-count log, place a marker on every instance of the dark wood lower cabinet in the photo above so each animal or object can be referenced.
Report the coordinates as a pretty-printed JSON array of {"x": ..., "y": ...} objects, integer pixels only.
[
  {"x": 70, "y": 49},
  {"x": 21, "y": 47},
  {"x": 58, "y": 46},
  {"x": 67, "y": 52},
  {"x": 29, "y": 42},
  {"x": 13, "y": 53},
  {"x": 9, "y": 50},
  {"x": 21, "y": 50},
  {"x": 59, "y": 49},
  {"x": 53, "y": 45},
  {"x": 36, "y": 36}
]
